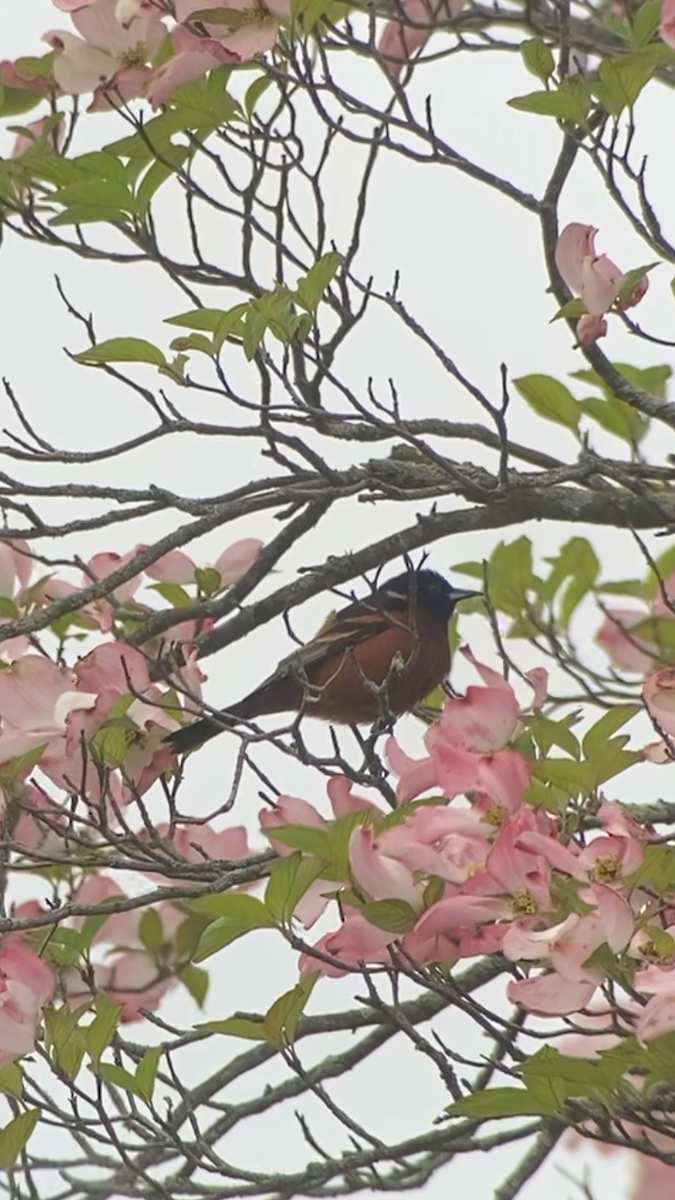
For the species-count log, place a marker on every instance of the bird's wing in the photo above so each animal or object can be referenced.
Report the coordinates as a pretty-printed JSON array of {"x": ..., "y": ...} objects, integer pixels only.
[{"x": 334, "y": 637}]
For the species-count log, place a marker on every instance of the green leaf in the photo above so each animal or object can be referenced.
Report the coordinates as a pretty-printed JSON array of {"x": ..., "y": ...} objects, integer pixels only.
[
  {"x": 473, "y": 569},
  {"x": 66, "y": 1040},
  {"x": 664, "y": 566},
  {"x": 195, "y": 341},
  {"x": 646, "y": 21},
  {"x": 129, "y": 349},
  {"x": 208, "y": 580},
  {"x": 97, "y": 193},
  {"x": 657, "y": 870},
  {"x": 538, "y": 59},
  {"x": 117, "y": 1076},
  {"x": 395, "y": 916},
  {"x": 173, "y": 593},
  {"x": 110, "y": 744},
  {"x": 586, "y": 570},
  {"x": 239, "y": 914},
  {"x": 305, "y": 838},
  {"x": 146, "y": 1073},
  {"x": 150, "y": 931},
  {"x": 241, "y": 1027},
  {"x": 281, "y": 1020},
  {"x": 501, "y": 1102},
  {"x": 11, "y": 1079},
  {"x": 618, "y": 26},
  {"x": 546, "y": 795},
  {"x": 220, "y": 16},
  {"x": 549, "y": 399},
  {"x": 231, "y": 325},
  {"x": 158, "y": 174},
  {"x": 196, "y": 981},
  {"x": 90, "y": 927},
  {"x": 189, "y": 933},
  {"x": 100, "y": 1034},
  {"x": 510, "y": 575},
  {"x": 310, "y": 12},
  {"x": 206, "y": 320},
  {"x": 633, "y": 278},
  {"x": 617, "y": 417},
  {"x": 103, "y": 165},
  {"x": 609, "y": 759},
  {"x": 570, "y": 102},
  {"x": 14, "y": 102},
  {"x": 85, "y": 214},
  {"x": 14, "y": 1137},
  {"x": 312, "y": 287},
  {"x": 207, "y": 107},
  {"x": 576, "y": 560},
  {"x": 254, "y": 93},
  {"x": 609, "y": 723},
  {"x": 549, "y": 733},
  {"x": 288, "y": 882},
  {"x": 622, "y": 80},
  {"x": 563, "y": 773},
  {"x": 622, "y": 587},
  {"x": 572, "y": 310}
]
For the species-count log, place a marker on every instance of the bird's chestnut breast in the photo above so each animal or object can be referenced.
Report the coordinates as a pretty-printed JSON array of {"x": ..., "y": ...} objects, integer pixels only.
[{"x": 403, "y": 662}]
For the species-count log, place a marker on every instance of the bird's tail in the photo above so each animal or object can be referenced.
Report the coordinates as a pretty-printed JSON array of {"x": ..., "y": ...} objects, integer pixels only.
[{"x": 190, "y": 737}]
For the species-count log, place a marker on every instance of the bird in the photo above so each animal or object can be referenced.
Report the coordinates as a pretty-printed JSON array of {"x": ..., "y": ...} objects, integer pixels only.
[{"x": 375, "y": 659}]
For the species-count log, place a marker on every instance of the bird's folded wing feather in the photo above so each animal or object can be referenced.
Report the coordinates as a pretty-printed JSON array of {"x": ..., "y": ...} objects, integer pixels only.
[{"x": 328, "y": 642}]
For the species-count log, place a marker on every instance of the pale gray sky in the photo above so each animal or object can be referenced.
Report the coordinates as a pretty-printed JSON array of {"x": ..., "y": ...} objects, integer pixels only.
[{"x": 471, "y": 269}]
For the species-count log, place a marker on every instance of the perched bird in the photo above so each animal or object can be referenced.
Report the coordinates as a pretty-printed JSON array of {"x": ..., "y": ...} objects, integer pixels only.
[{"x": 375, "y": 658}]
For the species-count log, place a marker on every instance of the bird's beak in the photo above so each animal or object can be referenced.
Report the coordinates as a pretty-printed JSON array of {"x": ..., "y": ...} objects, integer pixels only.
[{"x": 464, "y": 594}]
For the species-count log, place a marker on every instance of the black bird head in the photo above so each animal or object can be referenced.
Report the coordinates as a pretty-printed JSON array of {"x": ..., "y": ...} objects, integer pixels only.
[{"x": 430, "y": 590}]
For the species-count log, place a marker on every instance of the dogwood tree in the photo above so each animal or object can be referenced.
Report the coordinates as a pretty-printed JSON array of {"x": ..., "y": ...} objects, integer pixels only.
[{"x": 476, "y": 883}]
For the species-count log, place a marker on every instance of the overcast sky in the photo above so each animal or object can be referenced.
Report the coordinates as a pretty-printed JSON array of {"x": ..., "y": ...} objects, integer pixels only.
[{"x": 471, "y": 268}]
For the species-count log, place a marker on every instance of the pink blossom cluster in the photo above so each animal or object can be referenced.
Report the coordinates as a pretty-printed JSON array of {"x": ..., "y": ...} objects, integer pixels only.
[
  {"x": 629, "y": 635},
  {"x": 131, "y": 973},
  {"x": 26, "y": 594},
  {"x": 494, "y": 875},
  {"x": 595, "y": 279},
  {"x": 121, "y": 50},
  {"x": 630, "y": 638},
  {"x": 50, "y": 719}
]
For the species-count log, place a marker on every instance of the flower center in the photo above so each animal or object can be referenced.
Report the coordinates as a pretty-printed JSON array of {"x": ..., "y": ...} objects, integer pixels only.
[
  {"x": 606, "y": 868},
  {"x": 495, "y": 815},
  {"x": 523, "y": 903},
  {"x": 135, "y": 56}
]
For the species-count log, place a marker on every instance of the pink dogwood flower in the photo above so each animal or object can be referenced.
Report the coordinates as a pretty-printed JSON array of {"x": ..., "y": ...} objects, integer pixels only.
[
  {"x": 134, "y": 978},
  {"x": 448, "y": 843},
  {"x": 410, "y": 31},
  {"x": 20, "y": 76},
  {"x": 36, "y": 703},
  {"x": 254, "y": 28},
  {"x": 16, "y": 564},
  {"x": 567, "y": 948},
  {"x": 107, "y": 56},
  {"x": 125, "y": 10},
  {"x": 590, "y": 329},
  {"x": 658, "y": 694},
  {"x": 377, "y": 875},
  {"x": 658, "y": 1015},
  {"x": 235, "y": 561},
  {"x": 26, "y": 984},
  {"x": 194, "y": 57},
  {"x": 466, "y": 744},
  {"x": 667, "y": 26},
  {"x": 593, "y": 277},
  {"x": 624, "y": 646}
]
